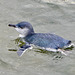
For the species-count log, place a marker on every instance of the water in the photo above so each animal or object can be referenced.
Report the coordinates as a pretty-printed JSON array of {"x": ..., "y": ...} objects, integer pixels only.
[{"x": 55, "y": 16}]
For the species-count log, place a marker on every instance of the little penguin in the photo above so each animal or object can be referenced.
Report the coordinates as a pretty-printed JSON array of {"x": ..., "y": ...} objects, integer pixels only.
[{"x": 46, "y": 41}]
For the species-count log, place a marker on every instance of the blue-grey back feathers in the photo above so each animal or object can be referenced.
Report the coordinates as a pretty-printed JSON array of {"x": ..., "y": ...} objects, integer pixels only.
[{"x": 46, "y": 40}]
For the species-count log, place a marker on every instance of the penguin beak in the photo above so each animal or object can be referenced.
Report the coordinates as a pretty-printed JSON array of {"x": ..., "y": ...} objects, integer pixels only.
[{"x": 11, "y": 25}]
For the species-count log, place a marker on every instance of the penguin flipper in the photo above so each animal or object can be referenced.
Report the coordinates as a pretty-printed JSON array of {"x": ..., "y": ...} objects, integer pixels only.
[{"x": 23, "y": 49}]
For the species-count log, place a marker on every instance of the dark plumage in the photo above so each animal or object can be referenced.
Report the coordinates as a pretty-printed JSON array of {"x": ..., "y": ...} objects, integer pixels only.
[{"x": 47, "y": 40}]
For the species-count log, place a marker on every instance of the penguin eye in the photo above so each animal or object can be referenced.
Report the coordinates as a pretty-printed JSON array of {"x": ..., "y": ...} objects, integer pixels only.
[{"x": 22, "y": 27}]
